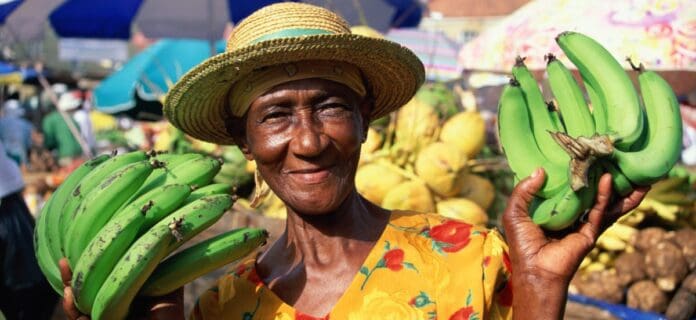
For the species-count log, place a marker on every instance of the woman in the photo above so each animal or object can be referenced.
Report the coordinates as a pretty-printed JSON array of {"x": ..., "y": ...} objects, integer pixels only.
[{"x": 296, "y": 92}]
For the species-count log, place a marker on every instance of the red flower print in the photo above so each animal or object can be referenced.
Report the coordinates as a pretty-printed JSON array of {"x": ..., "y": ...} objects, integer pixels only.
[
  {"x": 486, "y": 261},
  {"x": 393, "y": 259},
  {"x": 506, "y": 262},
  {"x": 463, "y": 313},
  {"x": 302, "y": 316},
  {"x": 454, "y": 234},
  {"x": 254, "y": 278},
  {"x": 505, "y": 295},
  {"x": 240, "y": 270}
]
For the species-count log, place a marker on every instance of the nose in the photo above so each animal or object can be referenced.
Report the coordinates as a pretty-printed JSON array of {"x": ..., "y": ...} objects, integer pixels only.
[{"x": 308, "y": 140}]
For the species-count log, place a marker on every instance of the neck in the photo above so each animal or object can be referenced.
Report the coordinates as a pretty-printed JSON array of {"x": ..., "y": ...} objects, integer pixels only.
[{"x": 316, "y": 238}]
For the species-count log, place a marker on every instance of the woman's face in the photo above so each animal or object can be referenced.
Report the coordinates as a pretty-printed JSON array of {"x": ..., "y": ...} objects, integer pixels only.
[{"x": 305, "y": 136}]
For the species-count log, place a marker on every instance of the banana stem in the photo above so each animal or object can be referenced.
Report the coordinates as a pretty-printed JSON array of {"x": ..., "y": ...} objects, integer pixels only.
[{"x": 583, "y": 152}]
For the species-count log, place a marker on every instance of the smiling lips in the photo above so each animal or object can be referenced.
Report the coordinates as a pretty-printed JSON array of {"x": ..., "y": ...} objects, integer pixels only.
[{"x": 310, "y": 175}]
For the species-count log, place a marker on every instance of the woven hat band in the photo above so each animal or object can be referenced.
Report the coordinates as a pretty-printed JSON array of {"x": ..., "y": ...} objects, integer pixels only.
[
  {"x": 247, "y": 89},
  {"x": 296, "y": 32}
]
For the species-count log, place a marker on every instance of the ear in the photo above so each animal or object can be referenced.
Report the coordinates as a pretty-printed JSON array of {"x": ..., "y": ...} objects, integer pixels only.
[{"x": 236, "y": 128}]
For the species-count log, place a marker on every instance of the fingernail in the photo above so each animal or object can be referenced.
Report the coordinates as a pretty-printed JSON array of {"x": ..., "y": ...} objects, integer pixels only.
[{"x": 536, "y": 173}]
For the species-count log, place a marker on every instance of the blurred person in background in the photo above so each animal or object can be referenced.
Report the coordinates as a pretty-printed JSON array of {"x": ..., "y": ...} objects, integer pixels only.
[
  {"x": 81, "y": 116},
  {"x": 24, "y": 291},
  {"x": 15, "y": 132},
  {"x": 57, "y": 134}
]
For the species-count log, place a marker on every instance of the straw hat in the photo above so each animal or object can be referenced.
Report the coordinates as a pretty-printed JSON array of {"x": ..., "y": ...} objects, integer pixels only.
[{"x": 284, "y": 33}]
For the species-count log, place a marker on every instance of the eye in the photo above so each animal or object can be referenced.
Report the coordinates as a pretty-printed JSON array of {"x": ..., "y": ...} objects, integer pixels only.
[
  {"x": 335, "y": 108},
  {"x": 274, "y": 114}
]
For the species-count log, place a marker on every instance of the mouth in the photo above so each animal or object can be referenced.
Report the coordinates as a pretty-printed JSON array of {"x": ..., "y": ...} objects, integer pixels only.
[{"x": 310, "y": 175}]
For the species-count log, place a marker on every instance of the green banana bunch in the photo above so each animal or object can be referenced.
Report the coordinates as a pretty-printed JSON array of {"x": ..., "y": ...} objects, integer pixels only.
[
  {"x": 211, "y": 253},
  {"x": 135, "y": 266},
  {"x": 104, "y": 250},
  {"x": 616, "y": 106},
  {"x": 211, "y": 189},
  {"x": 86, "y": 185},
  {"x": 47, "y": 238},
  {"x": 101, "y": 203},
  {"x": 569, "y": 99}
]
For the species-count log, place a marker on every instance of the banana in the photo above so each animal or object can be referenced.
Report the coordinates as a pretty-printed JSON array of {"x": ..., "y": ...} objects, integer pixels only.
[
  {"x": 556, "y": 119},
  {"x": 101, "y": 204},
  {"x": 620, "y": 183},
  {"x": 519, "y": 143},
  {"x": 569, "y": 98},
  {"x": 541, "y": 121},
  {"x": 611, "y": 243},
  {"x": 47, "y": 233},
  {"x": 565, "y": 207},
  {"x": 196, "y": 170},
  {"x": 89, "y": 183},
  {"x": 663, "y": 142},
  {"x": 113, "y": 240},
  {"x": 610, "y": 83},
  {"x": 170, "y": 161},
  {"x": 215, "y": 188},
  {"x": 135, "y": 266},
  {"x": 202, "y": 258},
  {"x": 621, "y": 231}
]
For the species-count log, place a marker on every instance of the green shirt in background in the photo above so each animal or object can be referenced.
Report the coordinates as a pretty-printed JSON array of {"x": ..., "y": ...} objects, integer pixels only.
[{"x": 57, "y": 136}]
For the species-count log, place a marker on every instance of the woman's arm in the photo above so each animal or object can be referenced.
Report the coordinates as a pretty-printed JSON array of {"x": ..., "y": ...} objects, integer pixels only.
[{"x": 543, "y": 263}]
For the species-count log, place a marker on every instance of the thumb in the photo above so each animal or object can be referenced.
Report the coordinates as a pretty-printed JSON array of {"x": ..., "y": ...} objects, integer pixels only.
[{"x": 522, "y": 196}]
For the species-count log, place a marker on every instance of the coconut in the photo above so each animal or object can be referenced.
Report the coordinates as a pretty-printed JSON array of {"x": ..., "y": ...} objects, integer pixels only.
[
  {"x": 467, "y": 131},
  {"x": 374, "y": 180},
  {"x": 410, "y": 195},
  {"x": 441, "y": 166},
  {"x": 417, "y": 125},
  {"x": 477, "y": 189},
  {"x": 440, "y": 97},
  {"x": 462, "y": 209}
]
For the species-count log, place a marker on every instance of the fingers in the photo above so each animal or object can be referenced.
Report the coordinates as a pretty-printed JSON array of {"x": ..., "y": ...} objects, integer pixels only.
[
  {"x": 632, "y": 200},
  {"x": 523, "y": 194},
  {"x": 65, "y": 272},
  {"x": 68, "y": 298},
  {"x": 595, "y": 217}
]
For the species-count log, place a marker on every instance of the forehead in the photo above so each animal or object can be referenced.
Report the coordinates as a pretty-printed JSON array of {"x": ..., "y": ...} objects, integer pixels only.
[{"x": 311, "y": 86}]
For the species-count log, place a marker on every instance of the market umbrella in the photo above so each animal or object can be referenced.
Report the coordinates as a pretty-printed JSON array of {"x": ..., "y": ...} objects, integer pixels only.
[
  {"x": 149, "y": 75},
  {"x": 435, "y": 49},
  {"x": 660, "y": 34},
  {"x": 380, "y": 15}
]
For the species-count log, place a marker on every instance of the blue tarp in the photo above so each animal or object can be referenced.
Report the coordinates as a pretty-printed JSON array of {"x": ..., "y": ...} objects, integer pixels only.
[
  {"x": 6, "y": 7},
  {"x": 105, "y": 19}
]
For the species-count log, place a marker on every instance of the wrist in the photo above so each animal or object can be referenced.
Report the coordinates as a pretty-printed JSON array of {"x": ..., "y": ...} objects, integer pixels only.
[{"x": 538, "y": 296}]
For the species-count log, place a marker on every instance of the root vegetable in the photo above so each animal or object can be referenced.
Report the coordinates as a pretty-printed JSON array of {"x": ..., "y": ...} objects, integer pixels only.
[
  {"x": 686, "y": 240},
  {"x": 603, "y": 285},
  {"x": 646, "y": 296},
  {"x": 630, "y": 267},
  {"x": 648, "y": 238},
  {"x": 683, "y": 304},
  {"x": 666, "y": 265}
]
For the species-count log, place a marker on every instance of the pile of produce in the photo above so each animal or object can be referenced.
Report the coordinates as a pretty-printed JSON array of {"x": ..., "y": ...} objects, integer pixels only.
[
  {"x": 647, "y": 260},
  {"x": 420, "y": 158},
  {"x": 119, "y": 219},
  {"x": 574, "y": 143}
]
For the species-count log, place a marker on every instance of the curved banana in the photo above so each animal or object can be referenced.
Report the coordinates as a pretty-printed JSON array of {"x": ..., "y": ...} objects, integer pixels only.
[
  {"x": 202, "y": 258},
  {"x": 114, "y": 239},
  {"x": 569, "y": 98},
  {"x": 211, "y": 189},
  {"x": 610, "y": 83},
  {"x": 519, "y": 142},
  {"x": 193, "y": 169},
  {"x": 556, "y": 118},
  {"x": 135, "y": 266},
  {"x": 101, "y": 204},
  {"x": 170, "y": 161},
  {"x": 541, "y": 121},
  {"x": 620, "y": 183},
  {"x": 662, "y": 145},
  {"x": 47, "y": 232},
  {"x": 89, "y": 183}
]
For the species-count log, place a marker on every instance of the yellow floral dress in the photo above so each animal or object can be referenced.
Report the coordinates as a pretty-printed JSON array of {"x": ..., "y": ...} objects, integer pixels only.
[{"x": 424, "y": 266}]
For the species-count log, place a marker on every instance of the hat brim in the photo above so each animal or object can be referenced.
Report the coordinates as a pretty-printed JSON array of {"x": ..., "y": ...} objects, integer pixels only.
[{"x": 197, "y": 104}]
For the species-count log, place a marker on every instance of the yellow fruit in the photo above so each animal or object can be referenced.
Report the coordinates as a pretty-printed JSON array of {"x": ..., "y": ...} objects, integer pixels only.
[
  {"x": 373, "y": 141},
  {"x": 467, "y": 131},
  {"x": 462, "y": 209},
  {"x": 374, "y": 180},
  {"x": 417, "y": 125},
  {"x": 478, "y": 189},
  {"x": 409, "y": 195},
  {"x": 441, "y": 166},
  {"x": 250, "y": 166}
]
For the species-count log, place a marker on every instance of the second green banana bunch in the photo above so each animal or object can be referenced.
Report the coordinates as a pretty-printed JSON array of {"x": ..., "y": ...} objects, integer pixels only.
[
  {"x": 119, "y": 218},
  {"x": 576, "y": 143}
]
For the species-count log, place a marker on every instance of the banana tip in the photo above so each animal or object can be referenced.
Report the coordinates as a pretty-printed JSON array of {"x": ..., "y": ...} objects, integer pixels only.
[{"x": 519, "y": 61}]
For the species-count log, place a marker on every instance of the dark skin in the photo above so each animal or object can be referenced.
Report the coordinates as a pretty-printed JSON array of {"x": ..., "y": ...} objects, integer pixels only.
[{"x": 305, "y": 137}]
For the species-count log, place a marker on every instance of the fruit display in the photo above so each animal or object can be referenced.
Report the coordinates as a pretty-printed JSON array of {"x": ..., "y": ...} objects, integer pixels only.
[
  {"x": 647, "y": 259},
  {"x": 638, "y": 142},
  {"x": 119, "y": 220}
]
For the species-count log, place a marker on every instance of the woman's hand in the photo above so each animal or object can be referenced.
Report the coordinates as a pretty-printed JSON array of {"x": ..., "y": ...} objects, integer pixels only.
[
  {"x": 170, "y": 306},
  {"x": 543, "y": 262}
]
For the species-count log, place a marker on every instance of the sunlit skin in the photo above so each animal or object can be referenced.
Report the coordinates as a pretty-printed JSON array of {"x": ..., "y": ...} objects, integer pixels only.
[{"x": 305, "y": 137}]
